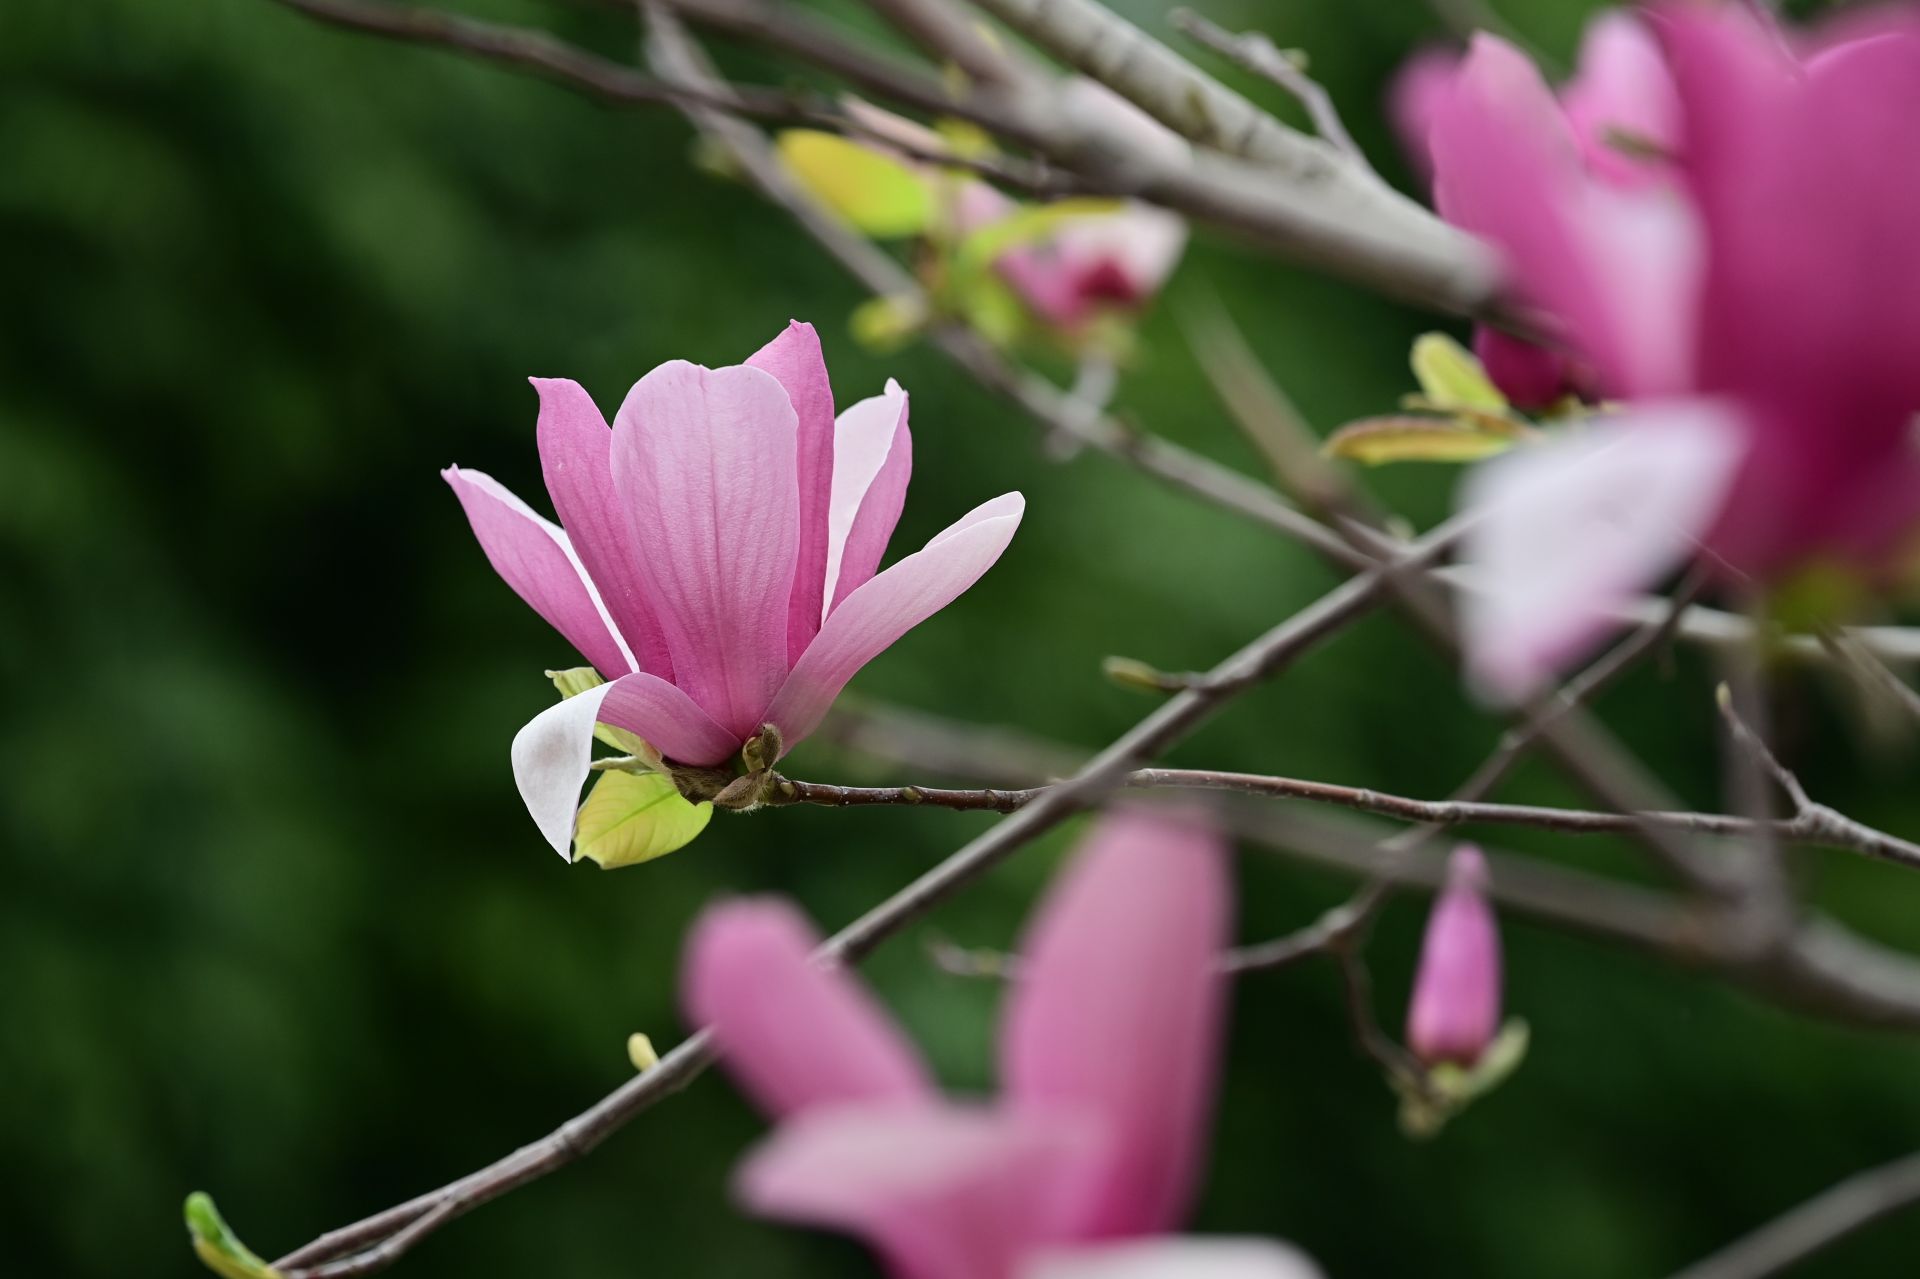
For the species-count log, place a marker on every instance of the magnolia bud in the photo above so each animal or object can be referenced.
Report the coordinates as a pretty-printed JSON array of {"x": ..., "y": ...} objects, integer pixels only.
[{"x": 1455, "y": 1011}]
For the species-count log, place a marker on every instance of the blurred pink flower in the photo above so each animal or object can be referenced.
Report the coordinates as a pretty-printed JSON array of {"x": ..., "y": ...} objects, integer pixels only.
[
  {"x": 1107, "y": 1059},
  {"x": 1617, "y": 120},
  {"x": 1455, "y": 1011},
  {"x": 716, "y": 557},
  {"x": 1090, "y": 262},
  {"x": 1763, "y": 323}
]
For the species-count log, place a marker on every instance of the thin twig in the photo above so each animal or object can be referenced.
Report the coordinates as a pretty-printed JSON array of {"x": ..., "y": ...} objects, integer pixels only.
[
  {"x": 1809, "y": 825},
  {"x": 1255, "y": 52},
  {"x": 1853, "y": 1204}
]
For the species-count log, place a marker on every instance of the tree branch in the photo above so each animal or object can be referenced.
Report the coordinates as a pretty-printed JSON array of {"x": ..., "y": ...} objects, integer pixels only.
[
  {"x": 1853, "y": 1204},
  {"x": 1256, "y": 53},
  {"x": 1811, "y": 825}
]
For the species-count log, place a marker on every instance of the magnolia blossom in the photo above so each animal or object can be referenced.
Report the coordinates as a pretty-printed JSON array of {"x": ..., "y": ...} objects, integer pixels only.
[
  {"x": 716, "y": 557},
  {"x": 1760, "y": 320},
  {"x": 1080, "y": 263},
  {"x": 1455, "y": 1011},
  {"x": 1618, "y": 120},
  {"x": 1118, "y": 258},
  {"x": 1107, "y": 1060}
]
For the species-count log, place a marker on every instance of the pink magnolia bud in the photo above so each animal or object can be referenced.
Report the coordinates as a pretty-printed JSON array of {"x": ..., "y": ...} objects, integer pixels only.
[{"x": 1455, "y": 1011}]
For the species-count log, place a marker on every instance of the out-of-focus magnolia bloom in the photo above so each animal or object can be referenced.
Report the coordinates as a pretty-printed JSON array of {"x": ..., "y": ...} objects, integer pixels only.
[
  {"x": 1455, "y": 1012},
  {"x": 1762, "y": 328},
  {"x": 716, "y": 557},
  {"x": 1077, "y": 264},
  {"x": 1618, "y": 117},
  {"x": 1116, "y": 258},
  {"x": 1107, "y": 1060}
]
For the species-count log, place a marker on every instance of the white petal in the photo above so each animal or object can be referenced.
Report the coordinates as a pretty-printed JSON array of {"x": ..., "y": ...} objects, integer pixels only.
[
  {"x": 1177, "y": 1258},
  {"x": 551, "y": 755},
  {"x": 1571, "y": 530}
]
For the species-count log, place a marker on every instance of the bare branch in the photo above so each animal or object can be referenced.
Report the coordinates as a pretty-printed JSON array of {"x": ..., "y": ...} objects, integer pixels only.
[
  {"x": 942, "y": 31},
  {"x": 1810, "y": 826},
  {"x": 543, "y": 54},
  {"x": 1255, "y": 52},
  {"x": 1853, "y": 1204}
]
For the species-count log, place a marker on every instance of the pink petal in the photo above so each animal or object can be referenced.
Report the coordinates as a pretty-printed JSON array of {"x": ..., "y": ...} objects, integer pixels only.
[
  {"x": 1621, "y": 270},
  {"x": 1117, "y": 1017},
  {"x": 872, "y": 462},
  {"x": 1528, "y": 374},
  {"x": 942, "y": 1192},
  {"x": 1570, "y": 529},
  {"x": 1813, "y": 295},
  {"x": 796, "y": 362},
  {"x": 793, "y": 1034},
  {"x": 704, "y": 461},
  {"x": 1414, "y": 96},
  {"x": 667, "y": 719},
  {"x": 1623, "y": 93},
  {"x": 1179, "y": 1258},
  {"x": 867, "y": 622},
  {"x": 534, "y": 557},
  {"x": 1455, "y": 1011},
  {"x": 574, "y": 454},
  {"x": 550, "y": 757}
]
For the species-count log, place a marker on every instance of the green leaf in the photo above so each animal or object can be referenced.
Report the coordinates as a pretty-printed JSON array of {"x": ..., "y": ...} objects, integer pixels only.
[
  {"x": 876, "y": 193},
  {"x": 1451, "y": 377},
  {"x": 217, "y": 1246},
  {"x": 1378, "y": 440},
  {"x": 576, "y": 680},
  {"x": 635, "y": 817}
]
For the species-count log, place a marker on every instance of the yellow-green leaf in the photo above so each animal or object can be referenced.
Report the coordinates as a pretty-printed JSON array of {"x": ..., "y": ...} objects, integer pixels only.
[
  {"x": 217, "y": 1246},
  {"x": 878, "y": 194},
  {"x": 635, "y": 817},
  {"x": 1487, "y": 420},
  {"x": 576, "y": 680},
  {"x": 1451, "y": 377},
  {"x": 1378, "y": 440}
]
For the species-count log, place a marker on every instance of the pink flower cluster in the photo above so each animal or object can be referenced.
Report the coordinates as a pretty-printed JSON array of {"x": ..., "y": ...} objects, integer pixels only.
[{"x": 1718, "y": 222}]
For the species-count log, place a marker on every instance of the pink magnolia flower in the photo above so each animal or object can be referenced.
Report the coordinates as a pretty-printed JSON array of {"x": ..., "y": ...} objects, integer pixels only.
[
  {"x": 716, "y": 557},
  {"x": 1455, "y": 1012},
  {"x": 1617, "y": 121},
  {"x": 1081, "y": 263},
  {"x": 1762, "y": 326},
  {"x": 1107, "y": 1058},
  {"x": 1115, "y": 259}
]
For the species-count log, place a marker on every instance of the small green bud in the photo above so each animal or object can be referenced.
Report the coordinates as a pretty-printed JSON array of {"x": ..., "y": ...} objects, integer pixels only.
[
  {"x": 640, "y": 1052},
  {"x": 217, "y": 1246},
  {"x": 1131, "y": 673}
]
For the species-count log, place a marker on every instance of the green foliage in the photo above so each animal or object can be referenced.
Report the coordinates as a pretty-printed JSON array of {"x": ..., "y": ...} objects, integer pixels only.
[
  {"x": 877, "y": 194},
  {"x": 631, "y": 818}
]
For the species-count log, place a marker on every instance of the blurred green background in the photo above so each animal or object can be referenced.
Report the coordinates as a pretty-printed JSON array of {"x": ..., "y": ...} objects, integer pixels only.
[{"x": 274, "y": 923}]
